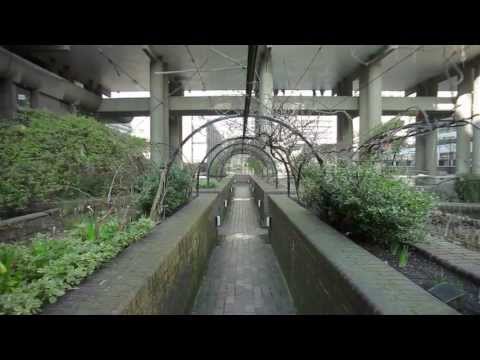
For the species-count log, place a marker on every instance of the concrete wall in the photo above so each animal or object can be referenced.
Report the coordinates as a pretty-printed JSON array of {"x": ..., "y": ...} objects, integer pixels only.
[
  {"x": 54, "y": 218},
  {"x": 471, "y": 210},
  {"x": 46, "y": 102},
  {"x": 159, "y": 274},
  {"x": 327, "y": 273},
  {"x": 262, "y": 190},
  {"x": 16, "y": 70},
  {"x": 22, "y": 227}
]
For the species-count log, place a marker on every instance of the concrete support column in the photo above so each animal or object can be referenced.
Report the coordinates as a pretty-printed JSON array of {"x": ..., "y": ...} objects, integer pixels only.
[
  {"x": 464, "y": 111},
  {"x": 8, "y": 99},
  {"x": 265, "y": 90},
  {"x": 159, "y": 124},
  {"x": 426, "y": 146},
  {"x": 344, "y": 123},
  {"x": 370, "y": 102},
  {"x": 476, "y": 121},
  {"x": 175, "y": 133},
  {"x": 419, "y": 152},
  {"x": 175, "y": 120},
  {"x": 210, "y": 142},
  {"x": 35, "y": 99}
]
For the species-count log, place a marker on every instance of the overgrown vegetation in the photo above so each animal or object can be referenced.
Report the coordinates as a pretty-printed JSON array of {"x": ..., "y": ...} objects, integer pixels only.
[
  {"x": 203, "y": 184},
  {"x": 368, "y": 205},
  {"x": 255, "y": 165},
  {"x": 46, "y": 157},
  {"x": 39, "y": 272},
  {"x": 179, "y": 188},
  {"x": 467, "y": 188}
]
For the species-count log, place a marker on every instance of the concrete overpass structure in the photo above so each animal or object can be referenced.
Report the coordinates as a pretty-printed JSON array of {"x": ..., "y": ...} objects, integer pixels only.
[{"x": 75, "y": 77}]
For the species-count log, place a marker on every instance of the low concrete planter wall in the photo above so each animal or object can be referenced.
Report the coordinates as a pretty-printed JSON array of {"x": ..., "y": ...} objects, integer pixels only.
[
  {"x": 161, "y": 273},
  {"x": 467, "y": 209},
  {"x": 456, "y": 228},
  {"x": 22, "y": 227},
  {"x": 327, "y": 273},
  {"x": 49, "y": 221},
  {"x": 261, "y": 192}
]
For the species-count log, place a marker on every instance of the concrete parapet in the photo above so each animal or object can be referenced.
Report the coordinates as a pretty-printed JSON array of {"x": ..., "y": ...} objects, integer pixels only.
[
  {"x": 159, "y": 274},
  {"x": 327, "y": 273}
]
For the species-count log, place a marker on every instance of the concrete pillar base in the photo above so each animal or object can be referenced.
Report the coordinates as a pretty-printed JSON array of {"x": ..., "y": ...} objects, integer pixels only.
[
  {"x": 344, "y": 123},
  {"x": 175, "y": 134},
  {"x": 464, "y": 111},
  {"x": 426, "y": 161},
  {"x": 476, "y": 121},
  {"x": 8, "y": 99}
]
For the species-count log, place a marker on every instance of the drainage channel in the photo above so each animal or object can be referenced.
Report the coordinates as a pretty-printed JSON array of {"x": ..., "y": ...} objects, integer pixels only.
[{"x": 243, "y": 275}]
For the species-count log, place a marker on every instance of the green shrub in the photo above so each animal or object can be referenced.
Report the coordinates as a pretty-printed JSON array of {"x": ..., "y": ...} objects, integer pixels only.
[
  {"x": 467, "y": 188},
  {"x": 45, "y": 157},
  {"x": 363, "y": 201},
  {"x": 204, "y": 185},
  {"x": 179, "y": 188},
  {"x": 40, "y": 272},
  {"x": 255, "y": 165}
]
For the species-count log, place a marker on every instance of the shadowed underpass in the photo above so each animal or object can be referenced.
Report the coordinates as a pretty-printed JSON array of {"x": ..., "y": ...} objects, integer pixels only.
[{"x": 243, "y": 275}]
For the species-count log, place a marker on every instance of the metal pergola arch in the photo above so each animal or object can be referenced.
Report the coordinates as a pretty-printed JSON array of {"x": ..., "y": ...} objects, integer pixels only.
[
  {"x": 223, "y": 118},
  {"x": 234, "y": 139},
  {"x": 239, "y": 151},
  {"x": 252, "y": 146},
  {"x": 225, "y": 156},
  {"x": 236, "y": 116}
]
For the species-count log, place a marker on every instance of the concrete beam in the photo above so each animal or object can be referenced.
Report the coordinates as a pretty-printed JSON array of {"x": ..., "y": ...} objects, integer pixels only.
[
  {"x": 373, "y": 59},
  {"x": 474, "y": 62},
  {"x": 203, "y": 105},
  {"x": 31, "y": 76},
  {"x": 47, "y": 48}
]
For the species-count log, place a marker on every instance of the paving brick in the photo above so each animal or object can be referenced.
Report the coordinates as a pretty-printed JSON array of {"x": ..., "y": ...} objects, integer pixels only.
[{"x": 243, "y": 267}]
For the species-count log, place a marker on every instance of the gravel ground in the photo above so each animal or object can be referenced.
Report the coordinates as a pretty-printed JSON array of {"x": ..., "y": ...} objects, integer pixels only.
[
  {"x": 427, "y": 273},
  {"x": 460, "y": 230}
]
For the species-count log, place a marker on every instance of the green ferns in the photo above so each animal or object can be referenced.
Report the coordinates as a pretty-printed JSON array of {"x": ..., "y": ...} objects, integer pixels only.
[
  {"x": 40, "y": 272},
  {"x": 46, "y": 157}
]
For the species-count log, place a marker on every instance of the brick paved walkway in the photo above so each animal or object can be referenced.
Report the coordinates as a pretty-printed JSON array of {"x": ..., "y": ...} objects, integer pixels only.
[
  {"x": 243, "y": 276},
  {"x": 454, "y": 256}
]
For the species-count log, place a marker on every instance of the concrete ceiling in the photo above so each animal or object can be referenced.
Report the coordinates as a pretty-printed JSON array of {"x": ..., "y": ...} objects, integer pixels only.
[{"x": 331, "y": 64}]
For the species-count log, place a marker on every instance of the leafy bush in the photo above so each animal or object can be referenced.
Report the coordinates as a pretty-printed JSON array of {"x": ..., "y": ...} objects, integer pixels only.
[
  {"x": 255, "y": 165},
  {"x": 43, "y": 270},
  {"x": 45, "y": 156},
  {"x": 467, "y": 188},
  {"x": 204, "y": 185},
  {"x": 179, "y": 188},
  {"x": 361, "y": 200}
]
